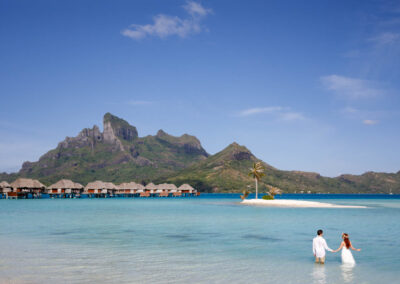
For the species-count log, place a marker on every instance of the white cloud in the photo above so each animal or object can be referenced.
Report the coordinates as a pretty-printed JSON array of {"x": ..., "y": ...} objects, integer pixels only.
[
  {"x": 196, "y": 9},
  {"x": 289, "y": 116},
  {"x": 362, "y": 115},
  {"x": 351, "y": 88},
  {"x": 370, "y": 122},
  {"x": 165, "y": 25},
  {"x": 257, "y": 110},
  {"x": 385, "y": 38},
  {"x": 281, "y": 113},
  {"x": 350, "y": 110}
]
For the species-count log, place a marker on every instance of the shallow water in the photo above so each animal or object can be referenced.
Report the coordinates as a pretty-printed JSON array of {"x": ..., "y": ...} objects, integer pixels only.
[{"x": 210, "y": 239}]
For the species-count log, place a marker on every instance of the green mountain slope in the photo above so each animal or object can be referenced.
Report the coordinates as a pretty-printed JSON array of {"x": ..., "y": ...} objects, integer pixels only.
[
  {"x": 227, "y": 171},
  {"x": 224, "y": 171},
  {"x": 117, "y": 154}
]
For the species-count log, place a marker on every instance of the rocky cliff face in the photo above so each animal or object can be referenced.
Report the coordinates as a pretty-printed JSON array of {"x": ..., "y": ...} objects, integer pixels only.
[
  {"x": 117, "y": 153},
  {"x": 116, "y": 128},
  {"x": 87, "y": 137}
]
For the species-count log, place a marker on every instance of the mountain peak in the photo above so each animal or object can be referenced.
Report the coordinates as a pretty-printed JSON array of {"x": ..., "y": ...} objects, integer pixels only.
[
  {"x": 161, "y": 133},
  {"x": 237, "y": 152},
  {"x": 115, "y": 127}
]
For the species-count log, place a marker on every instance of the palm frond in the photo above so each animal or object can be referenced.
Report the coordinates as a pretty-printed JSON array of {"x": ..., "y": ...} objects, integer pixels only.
[{"x": 273, "y": 190}]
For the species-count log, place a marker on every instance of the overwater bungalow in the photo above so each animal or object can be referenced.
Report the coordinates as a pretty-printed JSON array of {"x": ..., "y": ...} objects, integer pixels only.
[
  {"x": 162, "y": 190},
  {"x": 5, "y": 188},
  {"x": 25, "y": 187},
  {"x": 30, "y": 188},
  {"x": 109, "y": 189},
  {"x": 65, "y": 188},
  {"x": 141, "y": 191},
  {"x": 187, "y": 190},
  {"x": 176, "y": 193},
  {"x": 150, "y": 190},
  {"x": 127, "y": 189},
  {"x": 138, "y": 189},
  {"x": 165, "y": 189},
  {"x": 122, "y": 189},
  {"x": 93, "y": 189},
  {"x": 172, "y": 188},
  {"x": 159, "y": 191}
]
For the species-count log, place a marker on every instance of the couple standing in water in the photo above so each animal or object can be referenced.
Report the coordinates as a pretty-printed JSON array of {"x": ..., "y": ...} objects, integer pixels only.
[{"x": 319, "y": 247}]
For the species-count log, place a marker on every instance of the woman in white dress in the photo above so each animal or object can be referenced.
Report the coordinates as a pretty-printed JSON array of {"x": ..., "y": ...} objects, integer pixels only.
[{"x": 345, "y": 246}]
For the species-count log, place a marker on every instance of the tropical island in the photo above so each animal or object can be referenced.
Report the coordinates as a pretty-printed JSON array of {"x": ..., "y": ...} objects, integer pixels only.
[
  {"x": 120, "y": 155},
  {"x": 257, "y": 171}
]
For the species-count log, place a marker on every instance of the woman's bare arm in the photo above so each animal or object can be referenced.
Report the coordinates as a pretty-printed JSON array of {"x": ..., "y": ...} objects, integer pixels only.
[
  {"x": 353, "y": 248},
  {"x": 341, "y": 245}
]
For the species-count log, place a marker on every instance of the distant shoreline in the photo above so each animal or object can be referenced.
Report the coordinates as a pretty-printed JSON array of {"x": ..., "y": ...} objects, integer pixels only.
[
  {"x": 293, "y": 203},
  {"x": 314, "y": 195}
]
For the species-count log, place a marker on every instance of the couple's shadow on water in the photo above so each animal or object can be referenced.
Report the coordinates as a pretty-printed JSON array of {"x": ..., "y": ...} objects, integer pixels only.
[{"x": 319, "y": 273}]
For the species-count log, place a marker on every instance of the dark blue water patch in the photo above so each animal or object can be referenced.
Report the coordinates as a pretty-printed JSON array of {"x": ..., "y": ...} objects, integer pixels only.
[
  {"x": 210, "y": 234},
  {"x": 182, "y": 237},
  {"x": 261, "y": 238},
  {"x": 62, "y": 233}
]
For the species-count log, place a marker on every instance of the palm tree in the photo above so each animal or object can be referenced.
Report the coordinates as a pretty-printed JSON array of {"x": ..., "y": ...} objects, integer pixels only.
[
  {"x": 245, "y": 194},
  {"x": 273, "y": 190},
  {"x": 257, "y": 172}
]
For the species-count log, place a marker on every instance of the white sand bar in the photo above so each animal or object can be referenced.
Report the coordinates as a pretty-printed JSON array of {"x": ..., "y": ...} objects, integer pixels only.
[{"x": 294, "y": 203}]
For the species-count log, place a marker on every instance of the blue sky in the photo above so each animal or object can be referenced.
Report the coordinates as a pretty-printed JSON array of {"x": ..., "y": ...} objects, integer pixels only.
[{"x": 305, "y": 85}]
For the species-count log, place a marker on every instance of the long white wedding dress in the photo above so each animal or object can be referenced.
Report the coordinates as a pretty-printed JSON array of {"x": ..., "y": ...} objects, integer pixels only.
[{"x": 347, "y": 256}]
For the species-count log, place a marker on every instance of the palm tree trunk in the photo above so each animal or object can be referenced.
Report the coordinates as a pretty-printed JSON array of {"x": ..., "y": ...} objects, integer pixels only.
[{"x": 256, "y": 188}]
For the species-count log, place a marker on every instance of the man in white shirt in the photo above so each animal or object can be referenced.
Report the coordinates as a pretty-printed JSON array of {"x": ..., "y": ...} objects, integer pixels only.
[{"x": 319, "y": 247}]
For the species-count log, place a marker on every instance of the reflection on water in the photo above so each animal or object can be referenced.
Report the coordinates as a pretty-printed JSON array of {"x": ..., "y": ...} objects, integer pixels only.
[
  {"x": 347, "y": 272},
  {"x": 319, "y": 274}
]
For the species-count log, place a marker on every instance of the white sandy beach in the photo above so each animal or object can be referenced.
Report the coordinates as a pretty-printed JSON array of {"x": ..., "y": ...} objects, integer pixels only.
[{"x": 294, "y": 203}]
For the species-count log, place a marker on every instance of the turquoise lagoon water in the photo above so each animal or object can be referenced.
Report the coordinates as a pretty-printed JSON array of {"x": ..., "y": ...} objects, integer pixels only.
[{"x": 211, "y": 239}]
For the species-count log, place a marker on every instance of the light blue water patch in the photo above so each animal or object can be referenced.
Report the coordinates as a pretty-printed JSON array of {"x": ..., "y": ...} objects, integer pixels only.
[{"x": 211, "y": 239}]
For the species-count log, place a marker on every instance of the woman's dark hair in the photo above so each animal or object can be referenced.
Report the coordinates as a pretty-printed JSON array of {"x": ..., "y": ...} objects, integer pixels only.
[
  {"x": 346, "y": 240},
  {"x": 319, "y": 232}
]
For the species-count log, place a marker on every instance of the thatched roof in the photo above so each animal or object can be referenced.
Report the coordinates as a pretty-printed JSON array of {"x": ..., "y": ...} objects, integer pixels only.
[
  {"x": 171, "y": 186},
  {"x": 151, "y": 186},
  {"x": 162, "y": 186},
  {"x": 123, "y": 185},
  {"x": 98, "y": 184},
  {"x": 128, "y": 185},
  {"x": 27, "y": 183},
  {"x": 140, "y": 186},
  {"x": 78, "y": 185},
  {"x": 166, "y": 186},
  {"x": 4, "y": 184},
  {"x": 110, "y": 185},
  {"x": 66, "y": 183},
  {"x": 185, "y": 187}
]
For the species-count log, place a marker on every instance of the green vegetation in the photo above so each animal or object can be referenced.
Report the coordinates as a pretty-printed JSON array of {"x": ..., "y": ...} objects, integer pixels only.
[
  {"x": 116, "y": 155},
  {"x": 120, "y": 155},
  {"x": 273, "y": 190},
  {"x": 226, "y": 172},
  {"x": 245, "y": 194},
  {"x": 257, "y": 172},
  {"x": 267, "y": 197}
]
